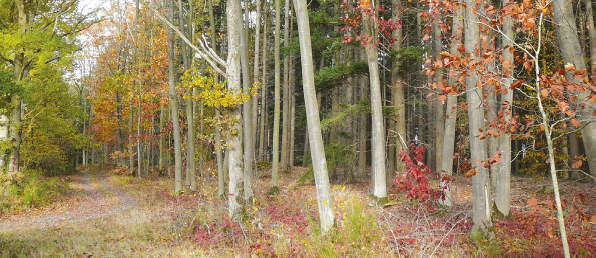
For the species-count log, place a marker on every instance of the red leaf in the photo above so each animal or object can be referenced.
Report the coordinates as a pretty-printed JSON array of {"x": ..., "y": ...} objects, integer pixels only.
[
  {"x": 533, "y": 202},
  {"x": 575, "y": 122}
]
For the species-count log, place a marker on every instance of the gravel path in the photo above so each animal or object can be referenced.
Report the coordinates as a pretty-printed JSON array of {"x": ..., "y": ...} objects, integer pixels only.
[{"x": 95, "y": 204}]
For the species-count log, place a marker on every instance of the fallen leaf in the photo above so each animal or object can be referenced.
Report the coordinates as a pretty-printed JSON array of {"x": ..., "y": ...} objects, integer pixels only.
[{"x": 533, "y": 202}]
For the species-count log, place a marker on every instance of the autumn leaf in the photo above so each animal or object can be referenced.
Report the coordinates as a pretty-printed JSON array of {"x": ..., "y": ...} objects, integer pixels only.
[
  {"x": 533, "y": 202},
  {"x": 575, "y": 122},
  {"x": 365, "y": 3},
  {"x": 569, "y": 67},
  {"x": 445, "y": 54},
  {"x": 470, "y": 173},
  {"x": 577, "y": 164}
]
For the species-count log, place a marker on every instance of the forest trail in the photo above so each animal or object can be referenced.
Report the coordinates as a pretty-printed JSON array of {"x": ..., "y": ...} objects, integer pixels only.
[{"x": 97, "y": 198}]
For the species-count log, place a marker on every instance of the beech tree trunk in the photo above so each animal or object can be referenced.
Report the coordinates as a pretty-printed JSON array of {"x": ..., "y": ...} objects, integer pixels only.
[
  {"x": 503, "y": 176},
  {"x": 446, "y": 168},
  {"x": 3, "y": 138},
  {"x": 264, "y": 114},
  {"x": 398, "y": 90},
  {"x": 174, "y": 106},
  {"x": 379, "y": 187},
  {"x": 233, "y": 71},
  {"x": 439, "y": 113},
  {"x": 362, "y": 124},
  {"x": 277, "y": 107},
  {"x": 325, "y": 204},
  {"x": 481, "y": 215},
  {"x": 570, "y": 47},
  {"x": 247, "y": 136},
  {"x": 285, "y": 135}
]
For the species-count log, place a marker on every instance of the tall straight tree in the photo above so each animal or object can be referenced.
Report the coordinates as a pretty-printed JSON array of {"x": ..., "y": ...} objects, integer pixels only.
[
  {"x": 233, "y": 71},
  {"x": 174, "y": 105},
  {"x": 379, "y": 187},
  {"x": 571, "y": 50},
  {"x": 326, "y": 213},
  {"x": 285, "y": 130},
  {"x": 446, "y": 168},
  {"x": 480, "y": 182},
  {"x": 277, "y": 106},
  {"x": 398, "y": 93},
  {"x": 503, "y": 177},
  {"x": 246, "y": 114}
]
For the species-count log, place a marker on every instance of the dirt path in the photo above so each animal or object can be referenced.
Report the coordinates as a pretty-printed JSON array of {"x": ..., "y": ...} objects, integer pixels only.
[{"x": 99, "y": 199}]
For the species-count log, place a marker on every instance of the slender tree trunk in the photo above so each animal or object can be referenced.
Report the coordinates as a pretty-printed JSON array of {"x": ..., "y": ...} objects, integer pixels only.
[
  {"x": 246, "y": 116},
  {"x": 292, "y": 111},
  {"x": 233, "y": 71},
  {"x": 162, "y": 144},
  {"x": 3, "y": 139},
  {"x": 481, "y": 215},
  {"x": 592, "y": 35},
  {"x": 439, "y": 121},
  {"x": 398, "y": 90},
  {"x": 255, "y": 99},
  {"x": 379, "y": 187},
  {"x": 264, "y": 92},
  {"x": 566, "y": 30},
  {"x": 174, "y": 107},
  {"x": 362, "y": 124},
  {"x": 276, "y": 112},
  {"x": 503, "y": 176},
  {"x": 446, "y": 168},
  {"x": 285, "y": 135},
  {"x": 324, "y": 200}
]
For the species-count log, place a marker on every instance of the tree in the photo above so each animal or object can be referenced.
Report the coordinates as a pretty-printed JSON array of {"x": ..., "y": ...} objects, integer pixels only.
[
  {"x": 174, "y": 106},
  {"x": 233, "y": 70},
  {"x": 379, "y": 185},
  {"x": 480, "y": 182},
  {"x": 326, "y": 213},
  {"x": 277, "y": 107}
]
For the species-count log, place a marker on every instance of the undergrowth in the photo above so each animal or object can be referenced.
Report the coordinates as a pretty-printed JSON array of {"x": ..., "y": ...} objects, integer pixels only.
[{"x": 31, "y": 189}]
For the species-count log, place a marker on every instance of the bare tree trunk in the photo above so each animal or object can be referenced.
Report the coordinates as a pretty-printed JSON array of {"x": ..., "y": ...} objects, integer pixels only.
[
  {"x": 292, "y": 111},
  {"x": 398, "y": 90},
  {"x": 503, "y": 176},
  {"x": 255, "y": 99},
  {"x": 379, "y": 187},
  {"x": 285, "y": 135},
  {"x": 246, "y": 115},
  {"x": 162, "y": 144},
  {"x": 592, "y": 35},
  {"x": 325, "y": 204},
  {"x": 362, "y": 125},
  {"x": 3, "y": 138},
  {"x": 174, "y": 107},
  {"x": 570, "y": 47},
  {"x": 264, "y": 114},
  {"x": 480, "y": 182},
  {"x": 446, "y": 168},
  {"x": 233, "y": 71},
  {"x": 276, "y": 112},
  {"x": 439, "y": 119}
]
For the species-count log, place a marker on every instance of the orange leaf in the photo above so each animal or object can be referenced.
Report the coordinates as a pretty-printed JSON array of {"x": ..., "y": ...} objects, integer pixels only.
[
  {"x": 569, "y": 67},
  {"x": 533, "y": 202},
  {"x": 470, "y": 173},
  {"x": 575, "y": 122},
  {"x": 577, "y": 164}
]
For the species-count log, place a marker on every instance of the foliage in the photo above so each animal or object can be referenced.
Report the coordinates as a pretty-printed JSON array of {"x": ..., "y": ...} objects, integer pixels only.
[
  {"x": 331, "y": 77},
  {"x": 415, "y": 179},
  {"x": 340, "y": 117},
  {"x": 32, "y": 189}
]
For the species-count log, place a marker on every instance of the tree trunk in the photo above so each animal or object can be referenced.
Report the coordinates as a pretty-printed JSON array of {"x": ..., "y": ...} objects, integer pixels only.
[
  {"x": 503, "y": 176},
  {"x": 276, "y": 111},
  {"x": 174, "y": 107},
  {"x": 362, "y": 117},
  {"x": 379, "y": 187},
  {"x": 439, "y": 119},
  {"x": 398, "y": 90},
  {"x": 3, "y": 138},
  {"x": 162, "y": 144},
  {"x": 191, "y": 168},
  {"x": 264, "y": 114},
  {"x": 481, "y": 215},
  {"x": 570, "y": 47},
  {"x": 233, "y": 71},
  {"x": 326, "y": 213},
  {"x": 246, "y": 116},
  {"x": 592, "y": 35},
  {"x": 255, "y": 77},
  {"x": 285, "y": 135}
]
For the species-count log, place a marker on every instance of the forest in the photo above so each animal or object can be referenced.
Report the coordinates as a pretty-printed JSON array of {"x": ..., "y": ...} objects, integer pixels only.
[{"x": 320, "y": 128}]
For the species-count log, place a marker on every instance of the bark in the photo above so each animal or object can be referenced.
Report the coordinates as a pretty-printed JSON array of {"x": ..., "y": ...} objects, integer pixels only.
[
  {"x": 480, "y": 182},
  {"x": 162, "y": 144},
  {"x": 592, "y": 35},
  {"x": 3, "y": 138},
  {"x": 191, "y": 168},
  {"x": 246, "y": 116},
  {"x": 326, "y": 213},
  {"x": 264, "y": 114},
  {"x": 292, "y": 112},
  {"x": 566, "y": 31},
  {"x": 379, "y": 187},
  {"x": 174, "y": 107},
  {"x": 446, "y": 168},
  {"x": 439, "y": 119},
  {"x": 503, "y": 176},
  {"x": 362, "y": 124},
  {"x": 218, "y": 148},
  {"x": 276, "y": 111},
  {"x": 233, "y": 71},
  {"x": 285, "y": 135},
  {"x": 255, "y": 77},
  {"x": 398, "y": 90}
]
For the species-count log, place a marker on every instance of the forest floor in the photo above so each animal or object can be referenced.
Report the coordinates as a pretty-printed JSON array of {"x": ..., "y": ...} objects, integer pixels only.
[{"x": 110, "y": 214}]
